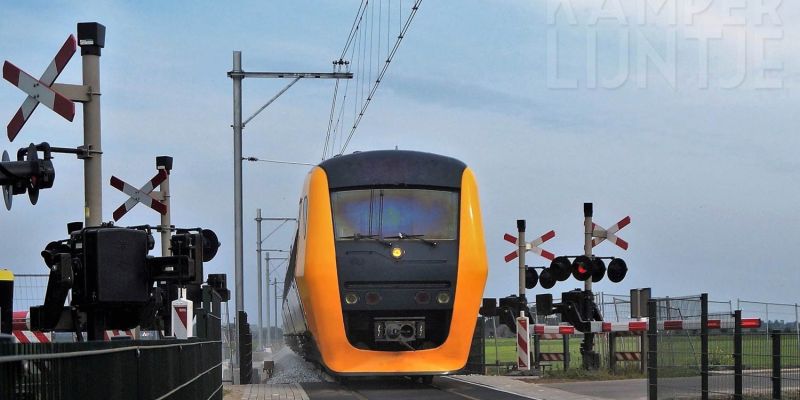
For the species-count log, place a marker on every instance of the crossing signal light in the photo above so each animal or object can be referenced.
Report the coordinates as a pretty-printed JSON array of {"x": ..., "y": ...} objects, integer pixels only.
[
  {"x": 617, "y": 269},
  {"x": 531, "y": 277},
  {"x": 28, "y": 174},
  {"x": 547, "y": 279},
  {"x": 509, "y": 309},
  {"x": 598, "y": 269},
  {"x": 582, "y": 268},
  {"x": 560, "y": 268}
]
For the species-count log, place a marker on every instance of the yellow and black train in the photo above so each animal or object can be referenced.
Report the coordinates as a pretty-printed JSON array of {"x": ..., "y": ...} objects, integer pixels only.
[{"x": 389, "y": 265}]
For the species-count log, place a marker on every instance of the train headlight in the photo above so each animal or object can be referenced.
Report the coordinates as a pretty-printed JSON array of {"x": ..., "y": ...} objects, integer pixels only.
[
  {"x": 397, "y": 253},
  {"x": 351, "y": 298},
  {"x": 443, "y": 298}
]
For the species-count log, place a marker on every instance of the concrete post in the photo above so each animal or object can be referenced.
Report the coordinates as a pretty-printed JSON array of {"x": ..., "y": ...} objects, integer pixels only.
[{"x": 91, "y": 38}]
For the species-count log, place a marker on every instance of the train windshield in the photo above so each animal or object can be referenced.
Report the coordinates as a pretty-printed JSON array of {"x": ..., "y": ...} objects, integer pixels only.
[{"x": 377, "y": 213}]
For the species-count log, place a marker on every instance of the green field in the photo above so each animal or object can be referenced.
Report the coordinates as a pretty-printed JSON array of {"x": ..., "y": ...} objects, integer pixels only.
[{"x": 681, "y": 352}]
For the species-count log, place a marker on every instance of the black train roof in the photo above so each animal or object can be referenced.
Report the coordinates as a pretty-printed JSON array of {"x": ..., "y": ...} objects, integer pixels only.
[{"x": 393, "y": 168}]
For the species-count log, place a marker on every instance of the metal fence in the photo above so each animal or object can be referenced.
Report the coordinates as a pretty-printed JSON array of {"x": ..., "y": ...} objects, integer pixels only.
[
  {"x": 719, "y": 360},
  {"x": 121, "y": 369},
  {"x": 29, "y": 290},
  {"x": 186, "y": 369}
]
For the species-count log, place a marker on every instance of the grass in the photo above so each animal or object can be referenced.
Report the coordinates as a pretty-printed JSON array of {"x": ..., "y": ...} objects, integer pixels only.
[{"x": 678, "y": 354}]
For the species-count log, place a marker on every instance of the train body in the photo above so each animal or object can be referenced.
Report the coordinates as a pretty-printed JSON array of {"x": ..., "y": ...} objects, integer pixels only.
[{"x": 388, "y": 267}]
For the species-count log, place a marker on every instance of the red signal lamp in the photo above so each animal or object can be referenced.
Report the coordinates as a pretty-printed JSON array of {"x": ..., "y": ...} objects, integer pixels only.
[{"x": 581, "y": 268}]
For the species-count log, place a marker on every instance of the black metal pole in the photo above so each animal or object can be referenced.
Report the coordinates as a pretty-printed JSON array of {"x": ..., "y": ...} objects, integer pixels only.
[
  {"x": 776, "y": 365},
  {"x": 737, "y": 355},
  {"x": 704, "y": 345},
  {"x": 537, "y": 350},
  {"x": 565, "y": 339},
  {"x": 652, "y": 358}
]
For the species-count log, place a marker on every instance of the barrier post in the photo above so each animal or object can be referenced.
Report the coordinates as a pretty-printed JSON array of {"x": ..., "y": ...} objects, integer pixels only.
[
  {"x": 703, "y": 345},
  {"x": 652, "y": 360},
  {"x": 523, "y": 343},
  {"x": 643, "y": 352},
  {"x": 776, "y": 364},
  {"x": 612, "y": 351},
  {"x": 737, "y": 355},
  {"x": 565, "y": 339}
]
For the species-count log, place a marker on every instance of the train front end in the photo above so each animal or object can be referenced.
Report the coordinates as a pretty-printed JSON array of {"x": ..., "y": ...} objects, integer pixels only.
[{"x": 393, "y": 263}]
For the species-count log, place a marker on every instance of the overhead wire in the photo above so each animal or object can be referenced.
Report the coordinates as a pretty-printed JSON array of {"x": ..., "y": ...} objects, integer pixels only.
[
  {"x": 368, "y": 66},
  {"x": 381, "y": 74}
]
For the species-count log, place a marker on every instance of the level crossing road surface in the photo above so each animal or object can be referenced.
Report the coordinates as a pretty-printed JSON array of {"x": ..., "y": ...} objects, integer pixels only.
[{"x": 403, "y": 389}]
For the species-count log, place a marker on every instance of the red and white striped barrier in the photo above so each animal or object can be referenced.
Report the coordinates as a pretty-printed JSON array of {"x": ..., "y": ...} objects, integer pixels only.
[
  {"x": 628, "y": 356},
  {"x": 28, "y": 336},
  {"x": 39, "y": 90},
  {"x": 689, "y": 324},
  {"x": 630, "y": 326},
  {"x": 523, "y": 343},
  {"x": 31, "y": 337},
  {"x": 116, "y": 333},
  {"x": 551, "y": 356},
  {"x": 541, "y": 329},
  {"x": 641, "y": 326}
]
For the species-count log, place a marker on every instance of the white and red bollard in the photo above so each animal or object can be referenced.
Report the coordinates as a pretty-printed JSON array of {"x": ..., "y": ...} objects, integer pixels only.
[
  {"x": 182, "y": 315},
  {"x": 523, "y": 343}
]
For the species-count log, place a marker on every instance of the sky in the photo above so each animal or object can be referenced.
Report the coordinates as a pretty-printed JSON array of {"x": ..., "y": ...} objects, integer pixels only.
[{"x": 681, "y": 115}]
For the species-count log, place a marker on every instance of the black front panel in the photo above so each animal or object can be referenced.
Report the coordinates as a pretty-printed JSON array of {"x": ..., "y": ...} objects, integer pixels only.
[{"x": 376, "y": 288}]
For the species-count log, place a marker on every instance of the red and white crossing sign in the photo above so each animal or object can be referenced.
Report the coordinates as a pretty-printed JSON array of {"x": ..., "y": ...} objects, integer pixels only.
[
  {"x": 533, "y": 246},
  {"x": 39, "y": 90},
  {"x": 600, "y": 234},
  {"x": 142, "y": 195}
]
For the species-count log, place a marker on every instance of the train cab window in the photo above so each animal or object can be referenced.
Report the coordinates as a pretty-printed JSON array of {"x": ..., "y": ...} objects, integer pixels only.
[{"x": 432, "y": 214}]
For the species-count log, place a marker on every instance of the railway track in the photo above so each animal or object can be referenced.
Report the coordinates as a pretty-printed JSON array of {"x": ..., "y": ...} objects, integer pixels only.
[{"x": 397, "y": 388}]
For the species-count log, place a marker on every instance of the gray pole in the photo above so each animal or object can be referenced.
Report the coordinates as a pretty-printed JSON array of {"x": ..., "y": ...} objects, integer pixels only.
[
  {"x": 587, "y": 240},
  {"x": 238, "y": 272},
  {"x": 91, "y": 37},
  {"x": 275, "y": 303},
  {"x": 260, "y": 285},
  {"x": 269, "y": 334},
  {"x": 797, "y": 326},
  {"x": 165, "y": 163},
  {"x": 522, "y": 249}
]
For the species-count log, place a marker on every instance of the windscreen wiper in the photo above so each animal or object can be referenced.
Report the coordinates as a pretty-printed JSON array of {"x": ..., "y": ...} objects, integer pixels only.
[
  {"x": 358, "y": 236},
  {"x": 421, "y": 238}
]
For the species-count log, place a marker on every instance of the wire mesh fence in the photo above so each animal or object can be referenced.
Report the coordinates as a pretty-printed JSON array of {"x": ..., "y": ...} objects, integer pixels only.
[
  {"x": 29, "y": 290},
  {"x": 678, "y": 352}
]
